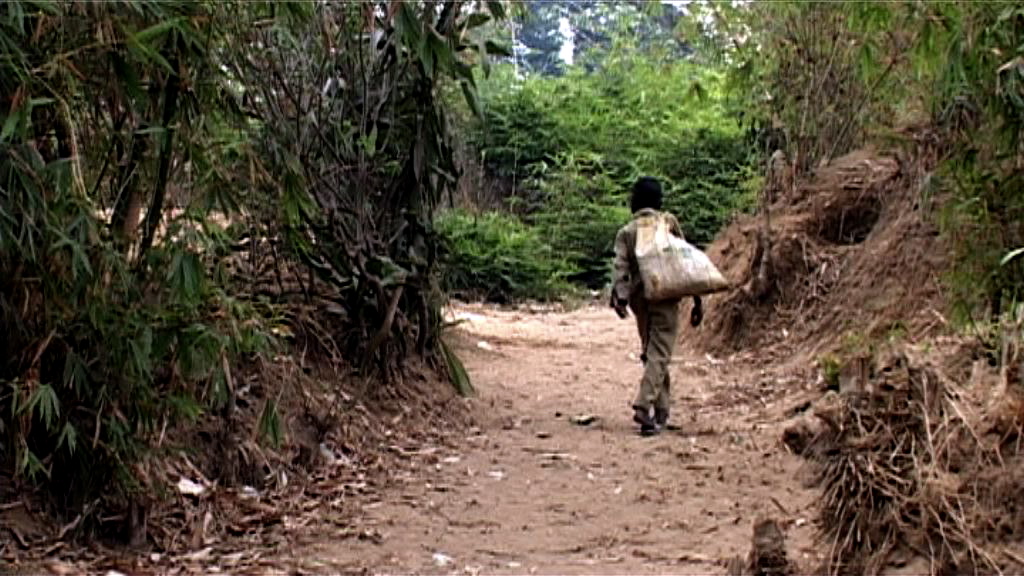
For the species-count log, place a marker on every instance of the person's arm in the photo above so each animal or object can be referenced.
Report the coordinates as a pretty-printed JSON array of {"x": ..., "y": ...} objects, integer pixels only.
[{"x": 620, "y": 274}]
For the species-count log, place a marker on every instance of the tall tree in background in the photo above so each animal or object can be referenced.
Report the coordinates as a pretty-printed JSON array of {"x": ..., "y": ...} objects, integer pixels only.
[
  {"x": 539, "y": 37},
  {"x": 593, "y": 28}
]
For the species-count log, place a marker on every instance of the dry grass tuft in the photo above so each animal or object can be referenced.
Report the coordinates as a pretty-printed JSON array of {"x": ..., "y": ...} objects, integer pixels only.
[{"x": 888, "y": 461}]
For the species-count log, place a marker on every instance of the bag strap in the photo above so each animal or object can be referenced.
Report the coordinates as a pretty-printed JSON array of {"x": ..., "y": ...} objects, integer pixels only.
[
  {"x": 663, "y": 221},
  {"x": 661, "y": 226}
]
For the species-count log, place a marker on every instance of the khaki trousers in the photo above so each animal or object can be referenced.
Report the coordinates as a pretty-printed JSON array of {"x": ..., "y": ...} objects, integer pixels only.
[{"x": 658, "y": 324}]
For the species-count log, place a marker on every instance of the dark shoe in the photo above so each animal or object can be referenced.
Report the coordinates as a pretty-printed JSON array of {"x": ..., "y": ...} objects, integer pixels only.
[
  {"x": 661, "y": 417},
  {"x": 642, "y": 416}
]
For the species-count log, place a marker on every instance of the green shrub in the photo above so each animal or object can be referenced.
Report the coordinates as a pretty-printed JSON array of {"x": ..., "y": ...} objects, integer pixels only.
[
  {"x": 498, "y": 258},
  {"x": 707, "y": 182},
  {"x": 518, "y": 133},
  {"x": 119, "y": 315},
  {"x": 96, "y": 359},
  {"x": 579, "y": 217},
  {"x": 831, "y": 367},
  {"x": 110, "y": 338},
  {"x": 833, "y": 76},
  {"x": 575, "y": 144}
]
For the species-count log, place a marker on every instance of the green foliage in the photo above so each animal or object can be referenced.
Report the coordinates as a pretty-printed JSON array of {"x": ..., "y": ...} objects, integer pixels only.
[
  {"x": 518, "y": 133},
  {"x": 124, "y": 127},
  {"x": 354, "y": 155},
  {"x": 457, "y": 372},
  {"x": 831, "y": 367},
  {"x": 569, "y": 148},
  {"x": 838, "y": 74},
  {"x": 498, "y": 258},
  {"x": 580, "y": 220},
  {"x": 270, "y": 423},
  {"x": 979, "y": 109},
  {"x": 813, "y": 78},
  {"x": 111, "y": 333}
]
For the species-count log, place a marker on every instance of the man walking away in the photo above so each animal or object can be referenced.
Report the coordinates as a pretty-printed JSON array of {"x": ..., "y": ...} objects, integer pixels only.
[{"x": 657, "y": 322}]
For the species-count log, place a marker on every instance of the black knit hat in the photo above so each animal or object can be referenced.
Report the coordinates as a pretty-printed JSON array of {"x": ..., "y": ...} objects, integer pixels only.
[{"x": 646, "y": 194}]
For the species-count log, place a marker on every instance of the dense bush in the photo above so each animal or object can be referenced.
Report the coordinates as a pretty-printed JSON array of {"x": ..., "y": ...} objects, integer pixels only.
[
  {"x": 978, "y": 109},
  {"x": 114, "y": 330},
  {"x": 573, "y": 145},
  {"x": 580, "y": 220},
  {"x": 838, "y": 74},
  {"x": 517, "y": 136},
  {"x": 123, "y": 128},
  {"x": 497, "y": 258}
]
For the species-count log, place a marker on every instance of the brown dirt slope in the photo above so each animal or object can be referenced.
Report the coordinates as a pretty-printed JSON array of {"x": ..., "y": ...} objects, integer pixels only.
[
  {"x": 856, "y": 253},
  {"x": 232, "y": 503}
]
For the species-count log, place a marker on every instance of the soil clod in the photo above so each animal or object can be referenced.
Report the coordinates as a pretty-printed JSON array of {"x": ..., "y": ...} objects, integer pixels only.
[{"x": 768, "y": 552}]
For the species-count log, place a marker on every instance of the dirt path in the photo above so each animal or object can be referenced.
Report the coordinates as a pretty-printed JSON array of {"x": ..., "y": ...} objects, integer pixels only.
[{"x": 533, "y": 492}]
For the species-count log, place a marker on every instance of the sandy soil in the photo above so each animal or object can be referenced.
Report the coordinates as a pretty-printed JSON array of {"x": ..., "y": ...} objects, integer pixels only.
[{"x": 534, "y": 491}]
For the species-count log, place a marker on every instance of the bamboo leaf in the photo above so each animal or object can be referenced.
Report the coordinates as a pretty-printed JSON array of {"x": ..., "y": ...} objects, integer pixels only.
[
  {"x": 128, "y": 77},
  {"x": 475, "y": 20},
  {"x": 410, "y": 28},
  {"x": 157, "y": 30},
  {"x": 269, "y": 427},
  {"x": 1011, "y": 256},
  {"x": 69, "y": 438},
  {"x": 11, "y": 123},
  {"x": 469, "y": 92},
  {"x": 30, "y": 465},
  {"x": 75, "y": 373},
  {"x": 497, "y": 9},
  {"x": 456, "y": 371},
  {"x": 485, "y": 61},
  {"x": 45, "y": 405},
  {"x": 497, "y": 49},
  {"x": 141, "y": 349},
  {"x": 148, "y": 54}
]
